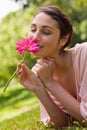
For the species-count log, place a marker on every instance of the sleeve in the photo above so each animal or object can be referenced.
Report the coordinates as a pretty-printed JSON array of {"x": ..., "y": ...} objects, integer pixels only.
[
  {"x": 83, "y": 81},
  {"x": 83, "y": 95}
]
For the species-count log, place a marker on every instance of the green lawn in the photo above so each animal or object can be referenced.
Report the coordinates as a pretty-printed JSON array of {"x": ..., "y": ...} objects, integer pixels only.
[
  {"x": 15, "y": 101},
  {"x": 19, "y": 110}
]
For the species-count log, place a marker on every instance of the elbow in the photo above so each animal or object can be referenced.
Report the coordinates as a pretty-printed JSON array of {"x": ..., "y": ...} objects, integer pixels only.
[{"x": 60, "y": 123}]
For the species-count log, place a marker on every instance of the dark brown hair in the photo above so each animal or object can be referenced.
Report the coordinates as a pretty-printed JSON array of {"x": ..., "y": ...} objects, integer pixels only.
[{"x": 62, "y": 19}]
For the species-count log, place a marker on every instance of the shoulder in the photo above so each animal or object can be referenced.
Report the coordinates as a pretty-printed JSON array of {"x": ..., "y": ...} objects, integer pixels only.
[
  {"x": 80, "y": 51},
  {"x": 79, "y": 58},
  {"x": 80, "y": 47}
]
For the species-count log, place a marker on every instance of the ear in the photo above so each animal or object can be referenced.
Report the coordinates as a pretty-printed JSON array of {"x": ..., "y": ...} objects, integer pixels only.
[{"x": 63, "y": 40}]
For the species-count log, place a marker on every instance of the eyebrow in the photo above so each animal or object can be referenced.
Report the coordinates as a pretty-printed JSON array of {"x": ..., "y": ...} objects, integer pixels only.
[{"x": 44, "y": 26}]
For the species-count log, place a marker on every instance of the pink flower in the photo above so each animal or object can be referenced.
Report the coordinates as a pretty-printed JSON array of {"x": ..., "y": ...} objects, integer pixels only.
[
  {"x": 24, "y": 45},
  {"x": 27, "y": 45}
]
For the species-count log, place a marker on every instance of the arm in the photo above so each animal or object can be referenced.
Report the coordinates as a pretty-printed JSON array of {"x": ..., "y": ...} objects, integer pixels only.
[
  {"x": 69, "y": 102},
  {"x": 32, "y": 82},
  {"x": 56, "y": 114},
  {"x": 44, "y": 70}
]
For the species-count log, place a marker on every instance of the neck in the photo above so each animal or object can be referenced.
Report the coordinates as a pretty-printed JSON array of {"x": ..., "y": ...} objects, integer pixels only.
[{"x": 63, "y": 62}]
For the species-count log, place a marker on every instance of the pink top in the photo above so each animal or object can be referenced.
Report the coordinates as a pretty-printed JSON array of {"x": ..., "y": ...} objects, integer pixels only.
[
  {"x": 79, "y": 56},
  {"x": 80, "y": 66}
]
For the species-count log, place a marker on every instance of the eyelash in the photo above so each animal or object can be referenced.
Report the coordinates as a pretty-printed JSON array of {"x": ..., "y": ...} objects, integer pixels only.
[
  {"x": 32, "y": 30},
  {"x": 46, "y": 33}
]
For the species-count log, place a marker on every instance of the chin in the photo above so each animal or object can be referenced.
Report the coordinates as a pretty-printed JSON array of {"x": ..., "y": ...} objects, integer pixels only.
[{"x": 38, "y": 55}]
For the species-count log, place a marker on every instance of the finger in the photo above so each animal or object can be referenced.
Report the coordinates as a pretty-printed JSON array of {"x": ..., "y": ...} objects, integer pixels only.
[
  {"x": 36, "y": 67},
  {"x": 34, "y": 71},
  {"x": 40, "y": 61},
  {"x": 50, "y": 59},
  {"x": 19, "y": 72},
  {"x": 24, "y": 67},
  {"x": 21, "y": 77},
  {"x": 46, "y": 61},
  {"x": 45, "y": 64},
  {"x": 19, "y": 64}
]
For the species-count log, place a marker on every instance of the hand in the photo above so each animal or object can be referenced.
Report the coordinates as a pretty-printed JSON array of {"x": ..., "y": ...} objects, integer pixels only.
[
  {"x": 44, "y": 69},
  {"x": 28, "y": 78}
]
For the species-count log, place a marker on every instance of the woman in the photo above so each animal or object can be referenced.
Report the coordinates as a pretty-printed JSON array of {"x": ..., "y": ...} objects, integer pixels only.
[{"x": 58, "y": 79}]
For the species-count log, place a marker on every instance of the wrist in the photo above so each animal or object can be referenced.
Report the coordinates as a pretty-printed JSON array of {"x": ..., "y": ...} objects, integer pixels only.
[
  {"x": 40, "y": 93},
  {"x": 39, "y": 89},
  {"x": 51, "y": 83}
]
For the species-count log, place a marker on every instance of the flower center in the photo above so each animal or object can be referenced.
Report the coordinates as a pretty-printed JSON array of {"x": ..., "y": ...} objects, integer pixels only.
[{"x": 27, "y": 48}]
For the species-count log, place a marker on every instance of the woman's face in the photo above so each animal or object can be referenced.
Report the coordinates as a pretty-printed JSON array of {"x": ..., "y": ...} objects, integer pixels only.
[{"x": 44, "y": 30}]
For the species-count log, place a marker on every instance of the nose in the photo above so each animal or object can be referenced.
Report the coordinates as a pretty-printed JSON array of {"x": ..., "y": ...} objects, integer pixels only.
[{"x": 36, "y": 36}]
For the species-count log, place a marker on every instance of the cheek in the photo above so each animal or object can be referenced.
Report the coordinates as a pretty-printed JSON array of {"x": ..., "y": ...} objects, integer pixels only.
[{"x": 49, "y": 41}]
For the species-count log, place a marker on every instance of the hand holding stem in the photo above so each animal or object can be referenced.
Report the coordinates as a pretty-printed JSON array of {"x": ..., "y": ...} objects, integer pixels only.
[{"x": 12, "y": 76}]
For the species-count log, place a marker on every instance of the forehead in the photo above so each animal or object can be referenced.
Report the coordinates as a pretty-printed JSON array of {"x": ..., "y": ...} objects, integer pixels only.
[{"x": 44, "y": 19}]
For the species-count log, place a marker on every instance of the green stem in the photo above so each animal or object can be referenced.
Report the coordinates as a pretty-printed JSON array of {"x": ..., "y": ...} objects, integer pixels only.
[
  {"x": 12, "y": 76},
  {"x": 24, "y": 57}
]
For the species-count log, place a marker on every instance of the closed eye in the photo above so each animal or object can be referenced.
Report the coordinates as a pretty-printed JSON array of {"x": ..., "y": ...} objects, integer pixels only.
[
  {"x": 46, "y": 32},
  {"x": 33, "y": 30}
]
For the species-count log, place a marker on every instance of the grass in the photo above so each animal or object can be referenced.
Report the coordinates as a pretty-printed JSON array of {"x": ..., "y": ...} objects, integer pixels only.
[
  {"x": 15, "y": 101},
  {"x": 19, "y": 110}
]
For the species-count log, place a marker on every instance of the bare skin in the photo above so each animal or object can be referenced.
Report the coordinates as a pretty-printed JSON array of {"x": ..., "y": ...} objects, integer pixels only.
[
  {"x": 33, "y": 83},
  {"x": 53, "y": 71}
]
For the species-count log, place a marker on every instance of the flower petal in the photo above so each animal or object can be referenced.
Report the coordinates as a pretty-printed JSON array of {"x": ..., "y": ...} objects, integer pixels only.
[{"x": 27, "y": 45}]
